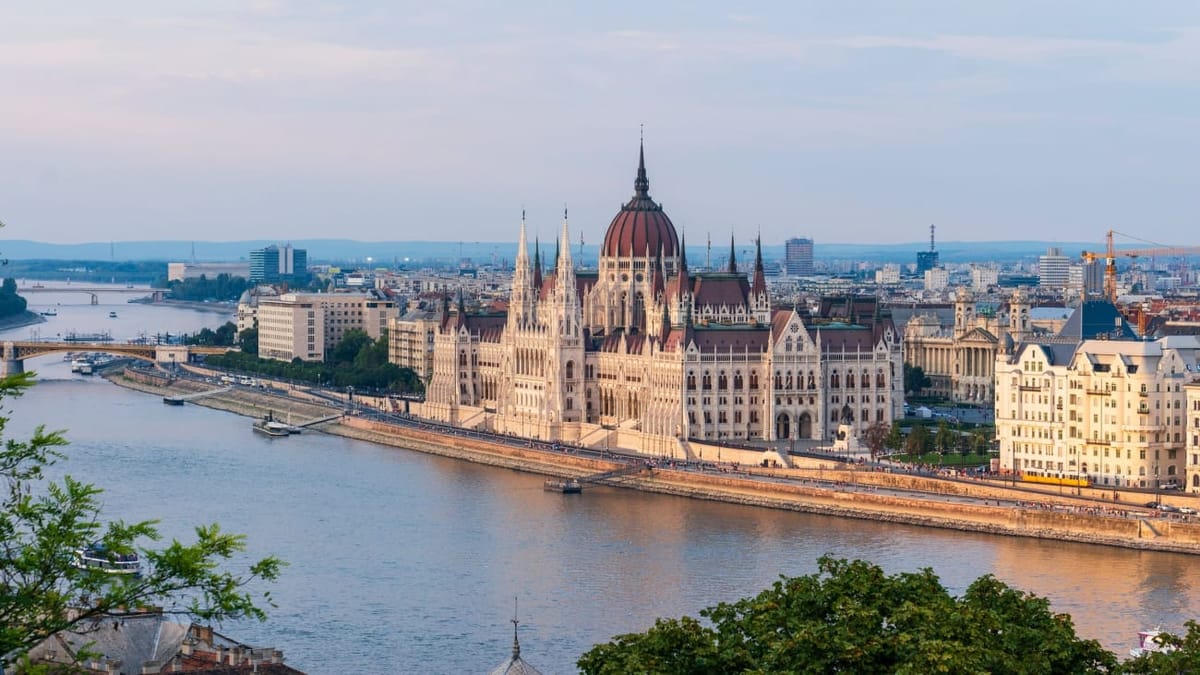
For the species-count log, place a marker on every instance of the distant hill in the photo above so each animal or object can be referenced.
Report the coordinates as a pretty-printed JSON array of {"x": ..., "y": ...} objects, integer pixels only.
[{"x": 386, "y": 253}]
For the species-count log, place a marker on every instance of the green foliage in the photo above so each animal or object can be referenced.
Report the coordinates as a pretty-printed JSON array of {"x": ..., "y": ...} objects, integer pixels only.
[
  {"x": 224, "y": 288},
  {"x": 851, "y": 617},
  {"x": 11, "y": 304},
  {"x": 919, "y": 440},
  {"x": 895, "y": 438},
  {"x": 875, "y": 437},
  {"x": 43, "y": 523},
  {"x": 915, "y": 379},
  {"x": 357, "y": 361},
  {"x": 248, "y": 341},
  {"x": 224, "y": 336}
]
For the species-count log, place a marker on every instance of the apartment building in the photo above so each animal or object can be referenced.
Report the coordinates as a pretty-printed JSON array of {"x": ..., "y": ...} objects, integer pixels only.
[{"x": 1112, "y": 411}]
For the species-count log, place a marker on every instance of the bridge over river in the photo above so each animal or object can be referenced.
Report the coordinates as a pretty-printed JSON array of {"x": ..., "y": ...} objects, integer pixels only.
[
  {"x": 16, "y": 352},
  {"x": 156, "y": 294}
]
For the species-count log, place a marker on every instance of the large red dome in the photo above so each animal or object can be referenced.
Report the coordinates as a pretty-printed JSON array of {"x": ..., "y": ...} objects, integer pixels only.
[{"x": 641, "y": 224}]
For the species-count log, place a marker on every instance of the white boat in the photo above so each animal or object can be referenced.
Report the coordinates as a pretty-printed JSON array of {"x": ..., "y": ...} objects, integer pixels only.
[
  {"x": 1149, "y": 643},
  {"x": 98, "y": 558},
  {"x": 86, "y": 368},
  {"x": 78, "y": 364},
  {"x": 112, "y": 315},
  {"x": 50, "y": 312}
]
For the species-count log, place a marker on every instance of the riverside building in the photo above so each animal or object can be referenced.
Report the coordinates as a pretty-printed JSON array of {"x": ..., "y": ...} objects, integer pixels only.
[
  {"x": 648, "y": 352},
  {"x": 306, "y": 325},
  {"x": 1108, "y": 408}
]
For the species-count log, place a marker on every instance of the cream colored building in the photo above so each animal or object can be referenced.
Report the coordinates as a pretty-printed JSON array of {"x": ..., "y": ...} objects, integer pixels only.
[
  {"x": 290, "y": 327},
  {"x": 653, "y": 355},
  {"x": 1112, "y": 411},
  {"x": 959, "y": 360},
  {"x": 410, "y": 342},
  {"x": 307, "y": 325}
]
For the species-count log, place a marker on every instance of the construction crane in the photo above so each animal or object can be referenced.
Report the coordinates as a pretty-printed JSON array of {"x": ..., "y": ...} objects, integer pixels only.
[{"x": 1110, "y": 256}]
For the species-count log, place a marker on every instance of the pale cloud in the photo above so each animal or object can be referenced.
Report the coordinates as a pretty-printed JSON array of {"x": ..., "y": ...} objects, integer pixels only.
[{"x": 506, "y": 101}]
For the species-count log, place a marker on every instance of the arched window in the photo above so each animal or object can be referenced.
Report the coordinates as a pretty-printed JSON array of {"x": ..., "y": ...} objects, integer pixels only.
[
  {"x": 570, "y": 404},
  {"x": 707, "y": 382},
  {"x": 778, "y": 380},
  {"x": 880, "y": 380},
  {"x": 737, "y": 380},
  {"x": 834, "y": 380},
  {"x": 866, "y": 379},
  {"x": 691, "y": 381},
  {"x": 812, "y": 382},
  {"x": 754, "y": 379},
  {"x": 570, "y": 370},
  {"x": 462, "y": 359}
]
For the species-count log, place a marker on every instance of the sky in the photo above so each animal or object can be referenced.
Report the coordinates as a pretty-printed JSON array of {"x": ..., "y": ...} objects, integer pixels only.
[{"x": 845, "y": 122}]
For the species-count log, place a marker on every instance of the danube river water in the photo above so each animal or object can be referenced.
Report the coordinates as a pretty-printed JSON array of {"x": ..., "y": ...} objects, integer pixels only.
[{"x": 402, "y": 562}]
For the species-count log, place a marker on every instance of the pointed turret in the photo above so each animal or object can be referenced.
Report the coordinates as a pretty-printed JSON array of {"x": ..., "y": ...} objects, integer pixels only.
[
  {"x": 760, "y": 279},
  {"x": 521, "y": 302},
  {"x": 537, "y": 267},
  {"x": 684, "y": 282},
  {"x": 641, "y": 184},
  {"x": 657, "y": 282},
  {"x": 461, "y": 318},
  {"x": 732, "y": 256}
]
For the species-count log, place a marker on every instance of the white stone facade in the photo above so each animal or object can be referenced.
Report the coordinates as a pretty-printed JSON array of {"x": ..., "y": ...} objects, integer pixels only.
[
  {"x": 1112, "y": 411},
  {"x": 645, "y": 353}
]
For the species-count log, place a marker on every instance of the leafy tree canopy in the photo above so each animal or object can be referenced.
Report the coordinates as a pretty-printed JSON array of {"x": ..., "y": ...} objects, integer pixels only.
[
  {"x": 43, "y": 523},
  {"x": 851, "y": 617}
]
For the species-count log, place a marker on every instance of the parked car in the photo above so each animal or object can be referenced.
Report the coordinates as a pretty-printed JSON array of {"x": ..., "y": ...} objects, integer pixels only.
[
  {"x": 1152, "y": 504},
  {"x": 1167, "y": 508},
  {"x": 1187, "y": 509}
]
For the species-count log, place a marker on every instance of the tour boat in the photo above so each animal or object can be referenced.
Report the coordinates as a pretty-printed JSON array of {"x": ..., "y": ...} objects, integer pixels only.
[
  {"x": 567, "y": 487},
  {"x": 98, "y": 558},
  {"x": 1148, "y": 643},
  {"x": 78, "y": 364},
  {"x": 268, "y": 426}
]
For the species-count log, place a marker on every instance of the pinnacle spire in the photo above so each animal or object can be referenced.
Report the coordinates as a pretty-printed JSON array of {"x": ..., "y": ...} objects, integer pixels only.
[
  {"x": 732, "y": 256},
  {"x": 641, "y": 185},
  {"x": 760, "y": 278}
]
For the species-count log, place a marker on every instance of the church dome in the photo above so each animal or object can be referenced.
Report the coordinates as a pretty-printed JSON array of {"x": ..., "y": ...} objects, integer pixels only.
[{"x": 641, "y": 224}]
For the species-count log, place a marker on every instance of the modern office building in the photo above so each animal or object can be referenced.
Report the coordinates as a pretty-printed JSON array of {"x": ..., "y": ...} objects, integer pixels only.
[
  {"x": 178, "y": 271},
  {"x": 307, "y": 325},
  {"x": 278, "y": 264},
  {"x": 1054, "y": 269},
  {"x": 798, "y": 257}
]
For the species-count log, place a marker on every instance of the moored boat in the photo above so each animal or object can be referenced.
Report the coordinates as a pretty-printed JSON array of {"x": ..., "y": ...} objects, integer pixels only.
[
  {"x": 97, "y": 557},
  {"x": 1149, "y": 642},
  {"x": 269, "y": 428},
  {"x": 567, "y": 487}
]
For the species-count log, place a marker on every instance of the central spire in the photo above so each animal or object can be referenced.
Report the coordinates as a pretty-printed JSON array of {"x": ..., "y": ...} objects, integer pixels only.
[{"x": 641, "y": 186}]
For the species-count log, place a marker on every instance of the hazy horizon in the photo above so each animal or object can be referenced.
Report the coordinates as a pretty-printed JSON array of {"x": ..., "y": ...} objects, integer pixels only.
[{"x": 285, "y": 120}]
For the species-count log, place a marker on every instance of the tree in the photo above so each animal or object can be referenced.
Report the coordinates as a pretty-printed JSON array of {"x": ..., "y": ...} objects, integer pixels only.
[
  {"x": 918, "y": 441},
  {"x": 876, "y": 437},
  {"x": 1183, "y": 655},
  {"x": 43, "y": 524},
  {"x": 248, "y": 341},
  {"x": 895, "y": 437},
  {"x": 852, "y": 617},
  {"x": 915, "y": 379},
  {"x": 945, "y": 438}
]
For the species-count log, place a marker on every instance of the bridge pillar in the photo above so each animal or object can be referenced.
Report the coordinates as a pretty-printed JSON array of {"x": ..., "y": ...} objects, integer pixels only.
[{"x": 9, "y": 363}]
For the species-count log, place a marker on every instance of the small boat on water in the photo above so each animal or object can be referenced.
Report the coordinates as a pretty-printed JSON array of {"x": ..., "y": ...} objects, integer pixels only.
[
  {"x": 112, "y": 315},
  {"x": 567, "y": 487},
  {"x": 50, "y": 312},
  {"x": 269, "y": 429},
  {"x": 98, "y": 558},
  {"x": 86, "y": 368},
  {"x": 1149, "y": 643}
]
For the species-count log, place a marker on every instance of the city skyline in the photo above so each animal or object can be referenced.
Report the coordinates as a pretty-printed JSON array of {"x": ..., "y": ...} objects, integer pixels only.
[{"x": 292, "y": 120}]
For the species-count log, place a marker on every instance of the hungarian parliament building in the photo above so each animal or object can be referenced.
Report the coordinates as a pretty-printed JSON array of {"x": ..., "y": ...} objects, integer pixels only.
[{"x": 647, "y": 354}]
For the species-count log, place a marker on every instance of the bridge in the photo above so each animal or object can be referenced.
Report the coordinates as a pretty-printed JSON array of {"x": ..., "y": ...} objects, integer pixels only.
[
  {"x": 14, "y": 354},
  {"x": 156, "y": 294}
]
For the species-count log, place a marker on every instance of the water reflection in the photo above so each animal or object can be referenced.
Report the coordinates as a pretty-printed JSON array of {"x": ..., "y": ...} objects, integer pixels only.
[{"x": 405, "y": 559}]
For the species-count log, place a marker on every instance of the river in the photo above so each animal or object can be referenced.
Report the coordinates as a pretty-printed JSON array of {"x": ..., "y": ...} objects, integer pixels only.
[{"x": 402, "y": 562}]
